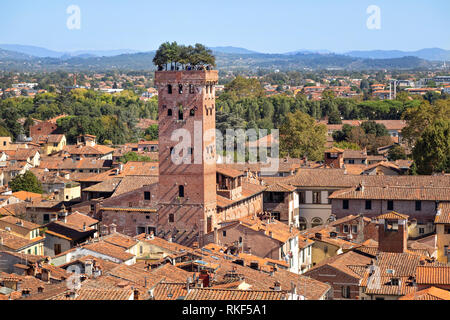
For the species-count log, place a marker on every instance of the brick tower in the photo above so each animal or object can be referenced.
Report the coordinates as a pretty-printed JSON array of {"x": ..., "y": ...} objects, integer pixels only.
[
  {"x": 392, "y": 232},
  {"x": 187, "y": 192}
]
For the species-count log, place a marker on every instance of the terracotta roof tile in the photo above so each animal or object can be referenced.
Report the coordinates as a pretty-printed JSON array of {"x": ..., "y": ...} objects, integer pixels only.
[
  {"x": 431, "y": 293},
  {"x": 435, "y": 275}
]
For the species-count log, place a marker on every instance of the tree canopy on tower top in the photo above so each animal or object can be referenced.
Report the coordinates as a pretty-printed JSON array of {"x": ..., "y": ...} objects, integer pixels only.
[{"x": 177, "y": 56}]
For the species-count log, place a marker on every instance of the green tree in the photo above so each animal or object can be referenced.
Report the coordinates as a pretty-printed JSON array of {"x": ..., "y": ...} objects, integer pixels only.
[
  {"x": 26, "y": 182},
  {"x": 420, "y": 117},
  {"x": 432, "y": 150},
  {"x": 397, "y": 153},
  {"x": 301, "y": 136},
  {"x": 133, "y": 156},
  {"x": 151, "y": 133}
]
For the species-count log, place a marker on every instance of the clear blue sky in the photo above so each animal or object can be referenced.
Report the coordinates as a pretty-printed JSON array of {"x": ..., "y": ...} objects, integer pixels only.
[{"x": 260, "y": 25}]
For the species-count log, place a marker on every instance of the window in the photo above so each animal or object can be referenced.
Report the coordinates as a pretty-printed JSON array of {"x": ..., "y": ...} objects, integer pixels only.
[
  {"x": 421, "y": 230},
  {"x": 46, "y": 218},
  {"x": 302, "y": 223},
  {"x": 368, "y": 204},
  {"x": 192, "y": 113},
  {"x": 169, "y": 112},
  {"x": 191, "y": 88},
  {"x": 391, "y": 225},
  {"x": 140, "y": 230},
  {"x": 57, "y": 248},
  {"x": 316, "y": 197},
  {"x": 355, "y": 229},
  {"x": 333, "y": 155},
  {"x": 418, "y": 205},
  {"x": 346, "y": 292},
  {"x": 171, "y": 217},
  {"x": 345, "y": 204},
  {"x": 180, "y": 114},
  {"x": 390, "y": 205},
  {"x": 141, "y": 249},
  {"x": 274, "y": 197},
  {"x": 180, "y": 88},
  {"x": 351, "y": 161},
  {"x": 301, "y": 197},
  {"x": 446, "y": 251},
  {"x": 316, "y": 222},
  {"x": 276, "y": 215},
  {"x": 447, "y": 229},
  {"x": 147, "y": 195},
  {"x": 224, "y": 233},
  {"x": 92, "y": 207},
  {"x": 345, "y": 228},
  {"x": 329, "y": 194},
  {"x": 181, "y": 191},
  {"x": 169, "y": 89}
]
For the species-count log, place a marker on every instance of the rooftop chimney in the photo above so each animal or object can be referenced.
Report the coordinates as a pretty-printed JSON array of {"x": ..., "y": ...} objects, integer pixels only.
[{"x": 88, "y": 268}]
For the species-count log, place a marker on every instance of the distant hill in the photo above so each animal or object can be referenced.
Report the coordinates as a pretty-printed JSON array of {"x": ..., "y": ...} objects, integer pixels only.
[
  {"x": 232, "y": 50},
  {"x": 227, "y": 58},
  {"x": 432, "y": 54},
  {"x": 32, "y": 50},
  {"x": 13, "y": 55},
  {"x": 46, "y": 53}
]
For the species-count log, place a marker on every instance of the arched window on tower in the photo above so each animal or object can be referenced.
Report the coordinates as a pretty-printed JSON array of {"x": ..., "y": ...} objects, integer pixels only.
[
  {"x": 191, "y": 88},
  {"x": 181, "y": 191},
  {"x": 180, "y": 88},
  {"x": 192, "y": 112},
  {"x": 180, "y": 114},
  {"x": 169, "y": 89},
  {"x": 169, "y": 112}
]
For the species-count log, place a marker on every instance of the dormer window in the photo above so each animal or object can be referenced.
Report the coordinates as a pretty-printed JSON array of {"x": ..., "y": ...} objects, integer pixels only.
[{"x": 391, "y": 225}]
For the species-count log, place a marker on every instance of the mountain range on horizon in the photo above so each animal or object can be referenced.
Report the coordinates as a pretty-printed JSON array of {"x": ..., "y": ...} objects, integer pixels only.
[
  {"x": 430, "y": 54},
  {"x": 20, "y": 58}
]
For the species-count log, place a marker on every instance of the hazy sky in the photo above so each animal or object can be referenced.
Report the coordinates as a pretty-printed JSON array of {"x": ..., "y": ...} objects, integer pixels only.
[{"x": 260, "y": 25}]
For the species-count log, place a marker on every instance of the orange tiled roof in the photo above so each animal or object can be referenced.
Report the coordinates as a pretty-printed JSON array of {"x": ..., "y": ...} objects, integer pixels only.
[
  {"x": 96, "y": 294},
  {"x": 25, "y": 195},
  {"x": 436, "y": 275},
  {"x": 393, "y": 215},
  {"x": 443, "y": 215},
  {"x": 21, "y": 223},
  {"x": 431, "y": 293},
  {"x": 230, "y": 294}
]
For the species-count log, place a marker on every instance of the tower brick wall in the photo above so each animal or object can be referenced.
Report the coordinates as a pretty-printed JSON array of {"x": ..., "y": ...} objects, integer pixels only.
[{"x": 193, "y": 97}]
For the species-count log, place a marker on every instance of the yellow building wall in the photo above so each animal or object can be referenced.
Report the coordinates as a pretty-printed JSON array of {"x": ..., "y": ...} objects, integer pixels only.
[
  {"x": 441, "y": 241},
  {"x": 72, "y": 193},
  {"x": 37, "y": 249},
  {"x": 322, "y": 250},
  {"x": 49, "y": 148}
]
